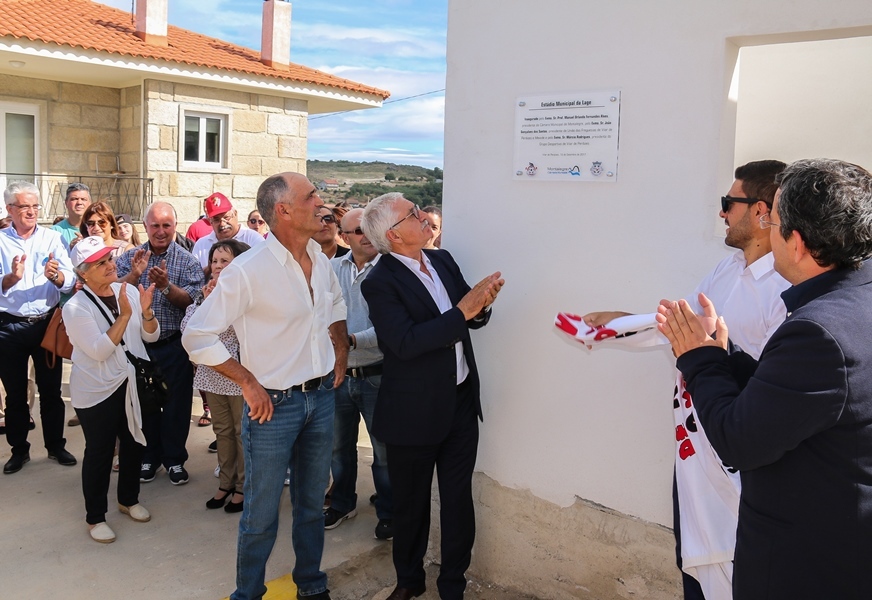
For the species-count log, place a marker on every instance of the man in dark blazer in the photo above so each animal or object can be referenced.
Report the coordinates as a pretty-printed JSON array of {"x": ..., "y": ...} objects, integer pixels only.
[
  {"x": 798, "y": 423},
  {"x": 428, "y": 404}
]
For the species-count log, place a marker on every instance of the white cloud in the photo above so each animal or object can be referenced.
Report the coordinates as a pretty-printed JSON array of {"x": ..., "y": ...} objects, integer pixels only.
[{"x": 361, "y": 41}]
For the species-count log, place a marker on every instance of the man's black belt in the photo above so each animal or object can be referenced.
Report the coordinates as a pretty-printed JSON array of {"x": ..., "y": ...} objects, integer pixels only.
[
  {"x": 7, "y": 318},
  {"x": 169, "y": 339},
  {"x": 367, "y": 371},
  {"x": 308, "y": 386}
]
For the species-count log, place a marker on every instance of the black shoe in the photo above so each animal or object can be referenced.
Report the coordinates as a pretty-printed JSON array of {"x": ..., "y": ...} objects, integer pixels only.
[
  {"x": 63, "y": 457},
  {"x": 234, "y": 507},
  {"x": 214, "y": 502},
  {"x": 14, "y": 464},
  {"x": 373, "y": 498},
  {"x": 325, "y": 595},
  {"x": 178, "y": 475},
  {"x": 147, "y": 472},
  {"x": 333, "y": 518},
  {"x": 401, "y": 593},
  {"x": 384, "y": 530},
  {"x": 213, "y": 447},
  {"x": 31, "y": 426}
]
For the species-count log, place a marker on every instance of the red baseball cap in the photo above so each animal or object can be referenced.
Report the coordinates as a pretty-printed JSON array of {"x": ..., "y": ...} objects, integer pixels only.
[
  {"x": 217, "y": 204},
  {"x": 89, "y": 250}
]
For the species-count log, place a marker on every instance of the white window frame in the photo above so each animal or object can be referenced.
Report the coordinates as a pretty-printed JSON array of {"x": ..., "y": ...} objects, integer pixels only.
[
  {"x": 224, "y": 116},
  {"x": 19, "y": 108}
]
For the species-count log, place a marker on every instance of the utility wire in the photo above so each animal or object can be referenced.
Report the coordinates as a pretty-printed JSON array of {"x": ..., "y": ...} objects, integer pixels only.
[{"x": 383, "y": 103}]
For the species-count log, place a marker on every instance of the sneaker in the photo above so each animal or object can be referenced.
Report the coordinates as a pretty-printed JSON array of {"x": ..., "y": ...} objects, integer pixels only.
[
  {"x": 218, "y": 471},
  {"x": 213, "y": 447},
  {"x": 333, "y": 518},
  {"x": 384, "y": 530},
  {"x": 178, "y": 475},
  {"x": 147, "y": 472},
  {"x": 288, "y": 478}
]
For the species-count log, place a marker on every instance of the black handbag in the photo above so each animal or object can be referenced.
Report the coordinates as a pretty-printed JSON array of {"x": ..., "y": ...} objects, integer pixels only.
[{"x": 151, "y": 385}]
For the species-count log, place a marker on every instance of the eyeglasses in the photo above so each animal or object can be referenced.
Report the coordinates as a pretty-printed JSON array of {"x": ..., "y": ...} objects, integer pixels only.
[
  {"x": 328, "y": 219},
  {"x": 101, "y": 223},
  {"x": 414, "y": 212},
  {"x": 357, "y": 231},
  {"x": 765, "y": 224},
  {"x": 727, "y": 201},
  {"x": 228, "y": 216},
  {"x": 257, "y": 221},
  {"x": 27, "y": 207}
]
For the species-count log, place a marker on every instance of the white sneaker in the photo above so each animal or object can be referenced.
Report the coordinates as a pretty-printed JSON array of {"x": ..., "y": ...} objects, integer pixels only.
[
  {"x": 288, "y": 477},
  {"x": 137, "y": 512},
  {"x": 102, "y": 533},
  {"x": 217, "y": 470}
]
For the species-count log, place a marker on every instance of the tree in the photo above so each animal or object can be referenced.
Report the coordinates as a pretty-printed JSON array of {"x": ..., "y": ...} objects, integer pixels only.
[{"x": 390, "y": 177}]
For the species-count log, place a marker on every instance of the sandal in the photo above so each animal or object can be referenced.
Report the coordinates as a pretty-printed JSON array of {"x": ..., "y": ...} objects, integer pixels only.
[
  {"x": 206, "y": 419},
  {"x": 218, "y": 502}
]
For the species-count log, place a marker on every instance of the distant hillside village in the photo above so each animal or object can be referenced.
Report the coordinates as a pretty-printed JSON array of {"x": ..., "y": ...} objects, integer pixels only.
[{"x": 357, "y": 183}]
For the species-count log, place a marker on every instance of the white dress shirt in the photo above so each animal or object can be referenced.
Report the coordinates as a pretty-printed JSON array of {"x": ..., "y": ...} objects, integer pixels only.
[
  {"x": 263, "y": 294},
  {"x": 204, "y": 244},
  {"x": 34, "y": 294},
  {"x": 439, "y": 294}
]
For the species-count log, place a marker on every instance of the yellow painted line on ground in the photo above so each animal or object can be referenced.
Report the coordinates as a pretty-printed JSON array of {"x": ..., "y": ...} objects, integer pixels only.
[{"x": 280, "y": 589}]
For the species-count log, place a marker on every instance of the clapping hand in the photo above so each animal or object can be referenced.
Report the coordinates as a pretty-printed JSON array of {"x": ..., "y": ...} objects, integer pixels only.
[
  {"x": 51, "y": 267},
  {"x": 159, "y": 275},
  {"x": 146, "y": 296},
  {"x": 687, "y": 331},
  {"x": 124, "y": 309},
  {"x": 209, "y": 287},
  {"x": 140, "y": 262}
]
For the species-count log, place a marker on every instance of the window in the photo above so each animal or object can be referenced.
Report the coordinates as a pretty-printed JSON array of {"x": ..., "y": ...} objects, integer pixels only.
[
  {"x": 203, "y": 140},
  {"x": 19, "y": 127}
]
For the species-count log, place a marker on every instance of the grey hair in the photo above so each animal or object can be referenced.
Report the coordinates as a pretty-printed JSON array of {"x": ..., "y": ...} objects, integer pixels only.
[
  {"x": 153, "y": 205},
  {"x": 77, "y": 187},
  {"x": 18, "y": 187},
  {"x": 829, "y": 202},
  {"x": 378, "y": 217},
  {"x": 268, "y": 195}
]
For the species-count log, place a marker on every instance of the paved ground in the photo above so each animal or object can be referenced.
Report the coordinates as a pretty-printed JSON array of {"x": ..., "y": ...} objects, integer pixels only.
[{"x": 185, "y": 552}]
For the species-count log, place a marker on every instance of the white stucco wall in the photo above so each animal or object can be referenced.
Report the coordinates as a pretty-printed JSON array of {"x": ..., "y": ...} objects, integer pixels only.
[{"x": 559, "y": 421}]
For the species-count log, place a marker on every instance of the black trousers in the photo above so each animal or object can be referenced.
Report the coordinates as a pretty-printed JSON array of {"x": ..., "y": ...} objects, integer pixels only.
[
  {"x": 102, "y": 424},
  {"x": 411, "y": 473},
  {"x": 18, "y": 343}
]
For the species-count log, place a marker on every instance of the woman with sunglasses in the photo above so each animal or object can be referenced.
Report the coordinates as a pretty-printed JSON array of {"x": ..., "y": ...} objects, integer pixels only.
[
  {"x": 256, "y": 222},
  {"x": 99, "y": 220}
]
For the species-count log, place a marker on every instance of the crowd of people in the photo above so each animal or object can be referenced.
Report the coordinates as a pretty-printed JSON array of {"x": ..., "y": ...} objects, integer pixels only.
[{"x": 273, "y": 324}]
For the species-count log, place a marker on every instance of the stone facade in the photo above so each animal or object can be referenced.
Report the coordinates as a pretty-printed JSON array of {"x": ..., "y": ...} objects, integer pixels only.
[{"x": 89, "y": 130}]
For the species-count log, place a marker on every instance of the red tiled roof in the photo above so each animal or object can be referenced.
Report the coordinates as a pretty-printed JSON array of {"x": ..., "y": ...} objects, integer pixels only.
[{"x": 93, "y": 26}]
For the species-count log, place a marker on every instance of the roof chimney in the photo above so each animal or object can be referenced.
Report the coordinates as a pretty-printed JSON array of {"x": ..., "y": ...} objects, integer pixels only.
[
  {"x": 275, "y": 37},
  {"x": 151, "y": 21}
]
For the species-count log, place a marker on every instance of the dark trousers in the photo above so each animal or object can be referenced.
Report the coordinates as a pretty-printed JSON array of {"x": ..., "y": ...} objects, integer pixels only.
[
  {"x": 411, "y": 473},
  {"x": 102, "y": 424},
  {"x": 18, "y": 343},
  {"x": 167, "y": 431}
]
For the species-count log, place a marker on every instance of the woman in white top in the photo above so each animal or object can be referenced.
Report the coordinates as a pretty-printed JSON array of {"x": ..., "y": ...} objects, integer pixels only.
[{"x": 102, "y": 381}]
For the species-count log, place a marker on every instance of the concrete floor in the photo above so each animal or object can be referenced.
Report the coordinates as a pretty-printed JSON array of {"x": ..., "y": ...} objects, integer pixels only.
[{"x": 186, "y": 551}]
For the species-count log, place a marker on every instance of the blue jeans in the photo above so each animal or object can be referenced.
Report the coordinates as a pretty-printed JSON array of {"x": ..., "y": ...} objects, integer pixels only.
[
  {"x": 299, "y": 436},
  {"x": 356, "y": 396}
]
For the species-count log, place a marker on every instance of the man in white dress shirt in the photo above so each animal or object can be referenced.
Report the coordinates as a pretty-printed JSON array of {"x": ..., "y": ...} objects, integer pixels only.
[
  {"x": 225, "y": 225},
  {"x": 282, "y": 297},
  {"x": 706, "y": 494}
]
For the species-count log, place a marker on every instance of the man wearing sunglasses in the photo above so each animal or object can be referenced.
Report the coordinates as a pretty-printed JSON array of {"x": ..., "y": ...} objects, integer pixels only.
[
  {"x": 225, "y": 225},
  {"x": 428, "y": 404},
  {"x": 326, "y": 237},
  {"x": 748, "y": 290},
  {"x": 35, "y": 270}
]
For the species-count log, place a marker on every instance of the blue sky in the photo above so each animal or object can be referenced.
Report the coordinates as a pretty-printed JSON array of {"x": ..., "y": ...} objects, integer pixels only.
[{"x": 397, "y": 45}]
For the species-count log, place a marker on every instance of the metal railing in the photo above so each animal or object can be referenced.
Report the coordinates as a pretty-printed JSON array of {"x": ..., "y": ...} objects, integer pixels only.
[{"x": 124, "y": 194}]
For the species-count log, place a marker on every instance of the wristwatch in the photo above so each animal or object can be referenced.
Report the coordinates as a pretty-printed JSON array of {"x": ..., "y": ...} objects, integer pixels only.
[
  {"x": 166, "y": 290},
  {"x": 55, "y": 277}
]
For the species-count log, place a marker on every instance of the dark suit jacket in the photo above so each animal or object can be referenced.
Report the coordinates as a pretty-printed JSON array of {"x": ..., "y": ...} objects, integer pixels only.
[
  {"x": 800, "y": 431},
  {"x": 418, "y": 393}
]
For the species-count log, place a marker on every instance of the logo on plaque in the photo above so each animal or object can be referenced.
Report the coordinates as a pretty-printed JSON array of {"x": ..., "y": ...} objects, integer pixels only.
[
  {"x": 531, "y": 169},
  {"x": 575, "y": 171},
  {"x": 596, "y": 168}
]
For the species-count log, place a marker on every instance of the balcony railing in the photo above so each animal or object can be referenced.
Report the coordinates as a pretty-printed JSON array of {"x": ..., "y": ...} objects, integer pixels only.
[{"x": 129, "y": 195}]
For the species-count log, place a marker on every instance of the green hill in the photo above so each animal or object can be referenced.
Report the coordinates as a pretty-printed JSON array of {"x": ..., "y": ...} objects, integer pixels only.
[{"x": 348, "y": 170}]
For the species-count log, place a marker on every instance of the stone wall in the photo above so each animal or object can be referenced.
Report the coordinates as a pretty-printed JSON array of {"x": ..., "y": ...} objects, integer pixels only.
[{"x": 267, "y": 136}]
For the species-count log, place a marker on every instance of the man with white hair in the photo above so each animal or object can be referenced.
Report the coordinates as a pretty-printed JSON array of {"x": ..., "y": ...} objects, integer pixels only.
[
  {"x": 428, "y": 404},
  {"x": 225, "y": 225},
  {"x": 35, "y": 269}
]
